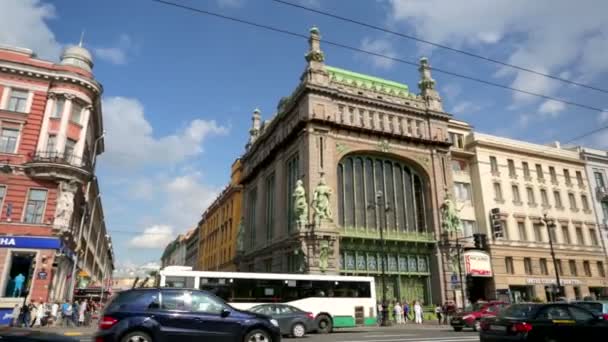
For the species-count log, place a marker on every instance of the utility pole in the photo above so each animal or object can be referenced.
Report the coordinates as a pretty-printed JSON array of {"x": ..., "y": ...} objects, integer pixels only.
[
  {"x": 382, "y": 209},
  {"x": 551, "y": 225}
]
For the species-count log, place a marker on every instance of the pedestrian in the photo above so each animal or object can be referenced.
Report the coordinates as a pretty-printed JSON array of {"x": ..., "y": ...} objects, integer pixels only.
[
  {"x": 438, "y": 313},
  {"x": 379, "y": 313},
  {"x": 406, "y": 311},
  {"x": 33, "y": 314},
  {"x": 40, "y": 311},
  {"x": 54, "y": 313},
  {"x": 25, "y": 315},
  {"x": 66, "y": 314},
  {"x": 398, "y": 311},
  {"x": 15, "y": 316},
  {"x": 418, "y": 312},
  {"x": 75, "y": 310},
  {"x": 82, "y": 308}
]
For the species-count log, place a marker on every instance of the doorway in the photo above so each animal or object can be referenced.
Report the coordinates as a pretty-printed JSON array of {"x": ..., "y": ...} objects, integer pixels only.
[{"x": 21, "y": 269}]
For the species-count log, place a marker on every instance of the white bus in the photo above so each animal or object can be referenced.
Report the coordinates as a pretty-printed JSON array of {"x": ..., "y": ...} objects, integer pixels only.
[{"x": 335, "y": 301}]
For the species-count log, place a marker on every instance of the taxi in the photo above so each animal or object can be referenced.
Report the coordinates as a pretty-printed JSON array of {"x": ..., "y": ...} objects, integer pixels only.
[{"x": 544, "y": 322}]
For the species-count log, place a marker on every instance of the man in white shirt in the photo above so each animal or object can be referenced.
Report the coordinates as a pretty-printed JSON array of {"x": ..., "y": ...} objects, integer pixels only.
[{"x": 54, "y": 311}]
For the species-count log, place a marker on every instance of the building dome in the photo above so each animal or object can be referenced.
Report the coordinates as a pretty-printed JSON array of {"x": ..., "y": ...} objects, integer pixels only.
[{"x": 77, "y": 56}]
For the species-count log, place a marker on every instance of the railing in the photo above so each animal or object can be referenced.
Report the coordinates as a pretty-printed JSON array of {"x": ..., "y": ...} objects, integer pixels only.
[{"x": 55, "y": 157}]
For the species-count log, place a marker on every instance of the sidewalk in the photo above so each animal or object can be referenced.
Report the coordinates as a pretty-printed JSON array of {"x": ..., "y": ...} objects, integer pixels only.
[{"x": 69, "y": 331}]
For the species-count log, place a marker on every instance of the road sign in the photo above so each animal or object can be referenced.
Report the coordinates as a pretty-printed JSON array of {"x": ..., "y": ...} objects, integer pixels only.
[{"x": 454, "y": 279}]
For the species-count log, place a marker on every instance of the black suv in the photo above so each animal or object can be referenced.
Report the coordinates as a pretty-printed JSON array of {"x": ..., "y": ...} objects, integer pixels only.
[{"x": 164, "y": 314}]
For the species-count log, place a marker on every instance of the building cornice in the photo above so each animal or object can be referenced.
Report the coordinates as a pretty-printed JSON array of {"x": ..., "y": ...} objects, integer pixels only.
[{"x": 547, "y": 153}]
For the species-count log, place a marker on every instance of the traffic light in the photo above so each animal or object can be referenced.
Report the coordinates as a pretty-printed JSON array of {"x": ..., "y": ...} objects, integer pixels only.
[
  {"x": 496, "y": 223},
  {"x": 481, "y": 241}
]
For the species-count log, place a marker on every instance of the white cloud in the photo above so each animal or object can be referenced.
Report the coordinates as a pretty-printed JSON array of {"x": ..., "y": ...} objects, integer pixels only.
[
  {"x": 153, "y": 237},
  {"x": 130, "y": 140},
  {"x": 130, "y": 269},
  {"x": 187, "y": 196},
  {"x": 230, "y": 3},
  {"x": 115, "y": 54},
  {"x": 379, "y": 46},
  {"x": 465, "y": 107},
  {"x": 451, "y": 91},
  {"x": 23, "y": 24},
  {"x": 538, "y": 37},
  {"x": 551, "y": 108}
]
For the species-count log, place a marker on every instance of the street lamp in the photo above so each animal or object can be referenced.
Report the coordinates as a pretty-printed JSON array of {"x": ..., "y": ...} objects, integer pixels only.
[
  {"x": 382, "y": 210},
  {"x": 550, "y": 224},
  {"x": 446, "y": 245}
]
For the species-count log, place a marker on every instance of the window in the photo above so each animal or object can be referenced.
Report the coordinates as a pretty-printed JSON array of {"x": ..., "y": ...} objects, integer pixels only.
[
  {"x": 173, "y": 300},
  {"x": 560, "y": 269},
  {"x": 572, "y": 266},
  {"x": 8, "y": 140},
  {"x": 18, "y": 100},
  {"x": 543, "y": 266},
  {"x": 565, "y": 235},
  {"x": 515, "y": 191},
  {"x": 600, "y": 269},
  {"x": 591, "y": 235},
  {"x": 270, "y": 205},
  {"x": 587, "y": 268},
  {"x": 538, "y": 237},
  {"x": 539, "y": 172},
  {"x": 497, "y": 192},
  {"x": 526, "y": 168},
  {"x": 554, "y": 313},
  {"x": 251, "y": 217},
  {"x": 605, "y": 209},
  {"x": 509, "y": 265},
  {"x": 579, "y": 179},
  {"x": 521, "y": 227},
  {"x": 572, "y": 201},
  {"x": 468, "y": 227},
  {"x": 419, "y": 124},
  {"x": 457, "y": 140},
  {"x": 292, "y": 177},
  {"x": 552, "y": 234},
  {"x": 204, "y": 303},
  {"x": 580, "y": 315},
  {"x": 2, "y": 195},
  {"x": 493, "y": 164},
  {"x": 512, "y": 172},
  {"x": 58, "y": 109},
  {"x": 528, "y": 265},
  {"x": 531, "y": 199},
  {"x": 34, "y": 209},
  {"x": 553, "y": 174},
  {"x": 459, "y": 165},
  {"x": 69, "y": 148},
  {"x": 558, "y": 199},
  {"x": 585, "y": 202},
  {"x": 51, "y": 143},
  {"x": 579, "y": 236},
  {"x": 544, "y": 197},
  {"x": 76, "y": 112},
  {"x": 567, "y": 177},
  {"x": 462, "y": 191},
  {"x": 138, "y": 300},
  {"x": 599, "y": 179}
]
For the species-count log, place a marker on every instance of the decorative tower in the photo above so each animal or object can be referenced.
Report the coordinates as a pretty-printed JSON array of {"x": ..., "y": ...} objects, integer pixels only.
[
  {"x": 427, "y": 86},
  {"x": 315, "y": 71},
  {"x": 77, "y": 56},
  {"x": 256, "y": 125}
]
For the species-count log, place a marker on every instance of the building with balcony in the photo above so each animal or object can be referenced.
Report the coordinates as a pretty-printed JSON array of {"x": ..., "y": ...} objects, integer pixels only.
[
  {"x": 525, "y": 182},
  {"x": 218, "y": 227},
  {"x": 52, "y": 232},
  {"x": 345, "y": 157}
]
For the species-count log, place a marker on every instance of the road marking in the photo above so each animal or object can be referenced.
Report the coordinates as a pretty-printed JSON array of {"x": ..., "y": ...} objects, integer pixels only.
[
  {"x": 72, "y": 333},
  {"x": 400, "y": 335},
  {"x": 424, "y": 339}
]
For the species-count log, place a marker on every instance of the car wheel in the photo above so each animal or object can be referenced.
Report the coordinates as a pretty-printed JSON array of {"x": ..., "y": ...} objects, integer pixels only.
[
  {"x": 298, "y": 330},
  {"x": 136, "y": 336},
  {"x": 258, "y": 335},
  {"x": 477, "y": 326},
  {"x": 324, "y": 324},
  {"x": 457, "y": 328}
]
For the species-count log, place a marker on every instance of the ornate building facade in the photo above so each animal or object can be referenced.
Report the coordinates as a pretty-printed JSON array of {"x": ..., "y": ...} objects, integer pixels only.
[
  {"x": 345, "y": 156},
  {"x": 52, "y": 231}
]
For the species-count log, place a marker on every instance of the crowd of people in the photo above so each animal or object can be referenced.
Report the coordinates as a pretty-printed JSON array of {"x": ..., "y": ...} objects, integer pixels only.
[
  {"x": 39, "y": 314},
  {"x": 414, "y": 312}
]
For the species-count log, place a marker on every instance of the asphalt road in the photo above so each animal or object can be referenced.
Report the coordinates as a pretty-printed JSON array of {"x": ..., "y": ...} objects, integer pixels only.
[{"x": 390, "y": 334}]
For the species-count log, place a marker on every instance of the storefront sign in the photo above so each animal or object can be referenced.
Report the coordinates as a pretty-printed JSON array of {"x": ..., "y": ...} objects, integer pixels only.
[
  {"x": 477, "y": 263},
  {"x": 549, "y": 281},
  {"x": 29, "y": 242}
]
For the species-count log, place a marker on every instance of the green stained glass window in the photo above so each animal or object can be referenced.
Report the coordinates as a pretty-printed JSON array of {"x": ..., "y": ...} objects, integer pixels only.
[
  {"x": 371, "y": 263},
  {"x": 402, "y": 263},
  {"x": 422, "y": 264},
  {"x": 361, "y": 265},
  {"x": 413, "y": 264},
  {"x": 350, "y": 261},
  {"x": 392, "y": 263}
]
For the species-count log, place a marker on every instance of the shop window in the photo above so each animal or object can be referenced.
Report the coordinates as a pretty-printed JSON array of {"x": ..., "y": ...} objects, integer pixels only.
[{"x": 21, "y": 269}]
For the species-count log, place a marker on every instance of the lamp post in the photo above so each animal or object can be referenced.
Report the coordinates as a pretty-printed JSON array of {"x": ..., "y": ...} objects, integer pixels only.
[
  {"x": 446, "y": 245},
  {"x": 550, "y": 224},
  {"x": 382, "y": 209}
]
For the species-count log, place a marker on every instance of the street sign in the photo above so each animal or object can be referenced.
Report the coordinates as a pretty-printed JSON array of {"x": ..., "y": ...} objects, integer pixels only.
[{"x": 454, "y": 279}]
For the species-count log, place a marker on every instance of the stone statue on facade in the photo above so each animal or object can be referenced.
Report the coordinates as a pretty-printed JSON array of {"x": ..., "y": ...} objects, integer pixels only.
[
  {"x": 300, "y": 205},
  {"x": 323, "y": 255},
  {"x": 449, "y": 216},
  {"x": 240, "y": 237},
  {"x": 300, "y": 258},
  {"x": 321, "y": 202},
  {"x": 65, "y": 204}
]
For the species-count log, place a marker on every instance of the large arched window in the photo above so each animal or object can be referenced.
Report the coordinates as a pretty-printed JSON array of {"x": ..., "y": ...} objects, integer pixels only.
[{"x": 360, "y": 177}]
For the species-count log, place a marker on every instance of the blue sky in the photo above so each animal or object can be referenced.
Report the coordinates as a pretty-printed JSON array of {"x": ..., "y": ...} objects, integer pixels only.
[{"x": 180, "y": 87}]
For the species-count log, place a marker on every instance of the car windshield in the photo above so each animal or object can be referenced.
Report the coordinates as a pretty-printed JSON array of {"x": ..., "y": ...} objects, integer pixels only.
[
  {"x": 474, "y": 307},
  {"x": 517, "y": 311},
  {"x": 591, "y": 306}
]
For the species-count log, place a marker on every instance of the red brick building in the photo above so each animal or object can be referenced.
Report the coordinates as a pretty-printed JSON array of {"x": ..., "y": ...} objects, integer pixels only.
[{"x": 52, "y": 232}]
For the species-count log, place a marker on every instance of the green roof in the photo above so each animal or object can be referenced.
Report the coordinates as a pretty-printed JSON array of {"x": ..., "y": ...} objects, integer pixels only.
[{"x": 368, "y": 82}]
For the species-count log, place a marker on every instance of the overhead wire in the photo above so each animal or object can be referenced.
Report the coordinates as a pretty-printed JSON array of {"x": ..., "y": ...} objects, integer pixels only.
[
  {"x": 438, "y": 45},
  {"x": 371, "y": 53}
]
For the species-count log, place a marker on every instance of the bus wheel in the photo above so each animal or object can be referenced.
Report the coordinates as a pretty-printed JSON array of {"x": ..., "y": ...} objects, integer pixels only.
[{"x": 324, "y": 324}]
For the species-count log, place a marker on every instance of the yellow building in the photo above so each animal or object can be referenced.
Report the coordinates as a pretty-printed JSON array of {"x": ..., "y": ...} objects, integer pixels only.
[{"x": 218, "y": 227}]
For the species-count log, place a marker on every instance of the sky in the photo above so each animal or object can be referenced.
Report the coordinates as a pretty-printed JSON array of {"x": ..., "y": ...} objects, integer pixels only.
[{"x": 179, "y": 87}]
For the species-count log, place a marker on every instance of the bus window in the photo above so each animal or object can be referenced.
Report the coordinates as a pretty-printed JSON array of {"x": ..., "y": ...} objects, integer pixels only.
[{"x": 179, "y": 282}]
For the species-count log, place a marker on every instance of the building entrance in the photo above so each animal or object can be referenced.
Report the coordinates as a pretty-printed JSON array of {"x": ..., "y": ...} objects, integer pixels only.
[
  {"x": 521, "y": 293},
  {"x": 21, "y": 269}
]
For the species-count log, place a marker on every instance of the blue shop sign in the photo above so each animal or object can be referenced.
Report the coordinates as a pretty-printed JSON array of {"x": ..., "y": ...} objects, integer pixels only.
[{"x": 29, "y": 242}]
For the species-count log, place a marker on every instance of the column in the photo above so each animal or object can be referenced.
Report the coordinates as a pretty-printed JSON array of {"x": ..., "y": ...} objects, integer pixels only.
[
  {"x": 79, "y": 148},
  {"x": 44, "y": 130},
  {"x": 63, "y": 127}
]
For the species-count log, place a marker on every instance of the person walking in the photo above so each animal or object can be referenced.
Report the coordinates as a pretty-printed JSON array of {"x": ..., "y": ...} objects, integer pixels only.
[
  {"x": 406, "y": 311},
  {"x": 15, "y": 316},
  {"x": 379, "y": 313},
  {"x": 398, "y": 311},
  {"x": 66, "y": 314},
  {"x": 40, "y": 311},
  {"x": 54, "y": 313},
  {"x": 438, "y": 313},
  {"x": 82, "y": 308},
  {"x": 75, "y": 310},
  {"x": 33, "y": 313},
  {"x": 418, "y": 312},
  {"x": 25, "y": 315}
]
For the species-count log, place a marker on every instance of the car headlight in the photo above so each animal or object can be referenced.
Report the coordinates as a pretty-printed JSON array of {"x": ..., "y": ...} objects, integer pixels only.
[{"x": 274, "y": 322}]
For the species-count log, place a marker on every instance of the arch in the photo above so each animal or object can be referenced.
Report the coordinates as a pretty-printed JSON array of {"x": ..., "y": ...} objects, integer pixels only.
[{"x": 404, "y": 184}]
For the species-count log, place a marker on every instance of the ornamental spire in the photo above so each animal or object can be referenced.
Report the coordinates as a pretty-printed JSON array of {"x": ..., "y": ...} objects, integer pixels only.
[
  {"x": 427, "y": 86},
  {"x": 314, "y": 57},
  {"x": 256, "y": 125}
]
